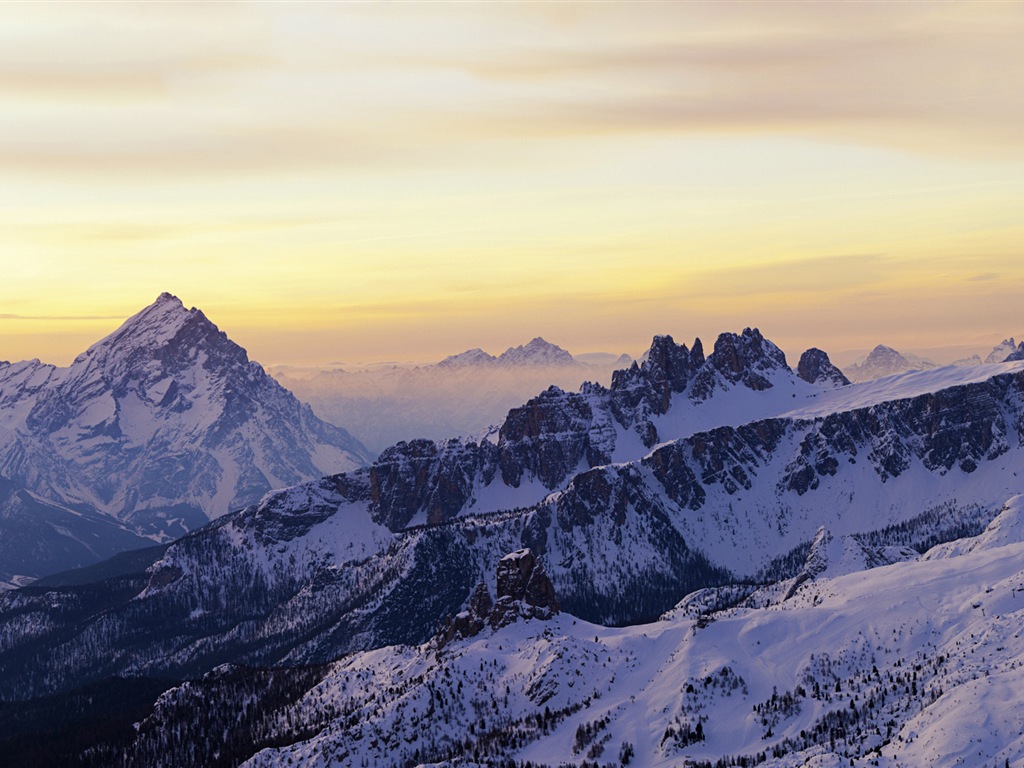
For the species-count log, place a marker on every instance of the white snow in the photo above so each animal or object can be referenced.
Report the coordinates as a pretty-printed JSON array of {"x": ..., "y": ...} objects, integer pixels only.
[
  {"x": 901, "y": 386},
  {"x": 927, "y": 654},
  {"x": 102, "y": 428}
]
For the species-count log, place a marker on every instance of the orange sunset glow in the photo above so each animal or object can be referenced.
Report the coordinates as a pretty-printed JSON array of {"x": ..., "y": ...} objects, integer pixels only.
[{"x": 349, "y": 181}]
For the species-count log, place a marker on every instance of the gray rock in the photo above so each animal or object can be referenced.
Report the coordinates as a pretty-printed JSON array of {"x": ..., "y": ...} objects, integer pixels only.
[{"x": 815, "y": 368}]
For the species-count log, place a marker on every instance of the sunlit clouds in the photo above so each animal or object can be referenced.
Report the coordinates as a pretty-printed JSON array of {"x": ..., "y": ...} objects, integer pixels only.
[{"x": 335, "y": 181}]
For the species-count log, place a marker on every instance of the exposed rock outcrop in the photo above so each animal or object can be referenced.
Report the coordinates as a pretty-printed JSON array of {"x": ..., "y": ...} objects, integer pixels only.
[
  {"x": 423, "y": 476},
  {"x": 522, "y": 579},
  {"x": 547, "y": 438},
  {"x": 524, "y": 591},
  {"x": 646, "y": 388},
  {"x": 747, "y": 359},
  {"x": 815, "y": 368}
]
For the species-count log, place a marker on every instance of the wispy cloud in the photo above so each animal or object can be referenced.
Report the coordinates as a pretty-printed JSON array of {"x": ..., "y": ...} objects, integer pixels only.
[
  {"x": 271, "y": 91},
  {"x": 71, "y": 318},
  {"x": 387, "y": 167}
]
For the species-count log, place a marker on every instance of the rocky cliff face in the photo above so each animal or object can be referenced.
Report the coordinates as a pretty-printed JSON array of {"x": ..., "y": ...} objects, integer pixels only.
[
  {"x": 521, "y": 579},
  {"x": 546, "y": 438},
  {"x": 524, "y": 591},
  {"x": 644, "y": 390},
  {"x": 747, "y": 360},
  {"x": 815, "y": 368},
  {"x": 433, "y": 480},
  {"x": 543, "y": 443}
]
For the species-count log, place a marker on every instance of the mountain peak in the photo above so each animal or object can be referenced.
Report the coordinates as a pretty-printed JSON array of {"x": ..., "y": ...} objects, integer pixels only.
[
  {"x": 886, "y": 361},
  {"x": 1017, "y": 354},
  {"x": 165, "y": 305},
  {"x": 471, "y": 357},
  {"x": 1001, "y": 350},
  {"x": 882, "y": 352},
  {"x": 168, "y": 383},
  {"x": 537, "y": 352},
  {"x": 816, "y": 368},
  {"x": 167, "y": 296},
  {"x": 746, "y": 358},
  {"x": 151, "y": 327}
]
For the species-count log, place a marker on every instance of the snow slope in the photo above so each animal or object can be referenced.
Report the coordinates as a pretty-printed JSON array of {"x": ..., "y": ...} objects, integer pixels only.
[{"x": 915, "y": 663}]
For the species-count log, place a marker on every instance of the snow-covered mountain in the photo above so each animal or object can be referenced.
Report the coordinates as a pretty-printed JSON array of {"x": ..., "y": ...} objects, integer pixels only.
[
  {"x": 1001, "y": 351},
  {"x": 1016, "y": 355},
  {"x": 758, "y": 495},
  {"x": 886, "y": 361},
  {"x": 470, "y": 358},
  {"x": 903, "y": 661},
  {"x": 160, "y": 426},
  {"x": 968, "y": 361},
  {"x": 537, "y": 353},
  {"x": 688, "y": 473},
  {"x": 38, "y": 535}
]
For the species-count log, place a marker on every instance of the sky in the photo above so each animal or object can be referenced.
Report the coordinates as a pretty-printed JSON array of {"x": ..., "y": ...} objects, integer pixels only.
[{"x": 333, "y": 181}]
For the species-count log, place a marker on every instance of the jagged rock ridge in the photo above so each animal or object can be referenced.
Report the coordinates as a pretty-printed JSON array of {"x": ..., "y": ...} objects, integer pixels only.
[
  {"x": 541, "y": 444},
  {"x": 1016, "y": 355}
]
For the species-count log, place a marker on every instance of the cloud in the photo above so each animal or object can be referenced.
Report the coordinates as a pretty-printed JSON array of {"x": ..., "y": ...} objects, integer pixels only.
[
  {"x": 914, "y": 78},
  {"x": 72, "y": 318},
  {"x": 820, "y": 275},
  {"x": 243, "y": 88}
]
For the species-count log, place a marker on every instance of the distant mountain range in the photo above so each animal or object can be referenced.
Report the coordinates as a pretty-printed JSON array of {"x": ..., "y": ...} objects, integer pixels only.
[
  {"x": 537, "y": 353},
  {"x": 152, "y": 431},
  {"x": 460, "y": 396},
  {"x": 886, "y": 361}
]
